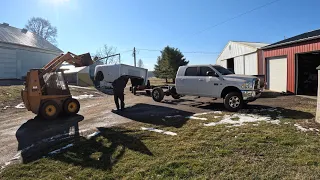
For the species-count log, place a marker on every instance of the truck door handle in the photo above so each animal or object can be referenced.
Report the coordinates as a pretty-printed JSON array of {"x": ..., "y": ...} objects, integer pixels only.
[
  {"x": 200, "y": 79},
  {"x": 216, "y": 84}
]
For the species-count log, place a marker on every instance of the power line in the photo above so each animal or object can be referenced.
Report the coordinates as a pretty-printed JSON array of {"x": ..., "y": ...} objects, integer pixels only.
[{"x": 235, "y": 17}]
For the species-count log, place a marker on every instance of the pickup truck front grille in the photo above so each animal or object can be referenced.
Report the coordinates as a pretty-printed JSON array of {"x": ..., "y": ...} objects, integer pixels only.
[{"x": 256, "y": 84}]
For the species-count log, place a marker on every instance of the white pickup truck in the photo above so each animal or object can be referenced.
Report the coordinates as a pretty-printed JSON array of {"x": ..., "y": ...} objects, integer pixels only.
[{"x": 212, "y": 81}]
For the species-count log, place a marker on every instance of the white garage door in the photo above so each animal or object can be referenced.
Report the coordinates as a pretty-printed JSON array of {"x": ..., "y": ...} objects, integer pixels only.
[
  {"x": 8, "y": 64},
  {"x": 277, "y": 74}
]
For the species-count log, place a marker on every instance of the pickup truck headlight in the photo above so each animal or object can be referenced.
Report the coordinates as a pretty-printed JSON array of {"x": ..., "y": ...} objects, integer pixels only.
[{"x": 247, "y": 85}]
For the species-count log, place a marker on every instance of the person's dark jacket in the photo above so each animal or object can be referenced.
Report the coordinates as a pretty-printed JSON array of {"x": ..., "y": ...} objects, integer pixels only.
[{"x": 119, "y": 84}]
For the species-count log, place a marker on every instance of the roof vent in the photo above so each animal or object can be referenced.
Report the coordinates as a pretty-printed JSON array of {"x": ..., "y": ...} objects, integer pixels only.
[
  {"x": 24, "y": 30},
  {"x": 5, "y": 24}
]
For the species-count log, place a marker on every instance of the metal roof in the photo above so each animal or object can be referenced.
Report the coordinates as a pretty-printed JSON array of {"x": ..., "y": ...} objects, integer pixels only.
[
  {"x": 12, "y": 35},
  {"x": 253, "y": 44},
  {"x": 295, "y": 39}
]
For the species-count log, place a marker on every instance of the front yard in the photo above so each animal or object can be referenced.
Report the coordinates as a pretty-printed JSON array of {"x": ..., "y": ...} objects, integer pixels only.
[{"x": 269, "y": 143}]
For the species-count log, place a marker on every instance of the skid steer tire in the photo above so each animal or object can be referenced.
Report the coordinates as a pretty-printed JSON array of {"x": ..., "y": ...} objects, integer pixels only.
[
  {"x": 49, "y": 110},
  {"x": 157, "y": 94},
  {"x": 176, "y": 96},
  {"x": 71, "y": 106}
]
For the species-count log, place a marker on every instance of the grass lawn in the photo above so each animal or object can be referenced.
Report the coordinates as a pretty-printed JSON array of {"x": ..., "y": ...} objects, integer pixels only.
[{"x": 250, "y": 151}]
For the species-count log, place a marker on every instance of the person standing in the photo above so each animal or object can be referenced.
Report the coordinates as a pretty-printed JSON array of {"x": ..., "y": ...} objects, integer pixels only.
[{"x": 118, "y": 91}]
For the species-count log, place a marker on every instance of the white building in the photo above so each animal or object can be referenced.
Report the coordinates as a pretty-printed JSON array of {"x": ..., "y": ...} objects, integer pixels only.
[
  {"x": 241, "y": 57},
  {"x": 21, "y": 50}
]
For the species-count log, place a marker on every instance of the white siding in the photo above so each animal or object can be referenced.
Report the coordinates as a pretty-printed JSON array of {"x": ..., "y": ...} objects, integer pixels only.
[
  {"x": 234, "y": 49},
  {"x": 251, "y": 64},
  {"x": 238, "y": 65},
  {"x": 223, "y": 63},
  {"x": 31, "y": 60},
  {"x": 8, "y": 64}
]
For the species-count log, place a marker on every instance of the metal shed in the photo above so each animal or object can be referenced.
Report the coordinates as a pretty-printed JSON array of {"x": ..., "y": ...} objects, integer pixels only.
[
  {"x": 241, "y": 57},
  {"x": 290, "y": 65},
  {"x": 21, "y": 50}
]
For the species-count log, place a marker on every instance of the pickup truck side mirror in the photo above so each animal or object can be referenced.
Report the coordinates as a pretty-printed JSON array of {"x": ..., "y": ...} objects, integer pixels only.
[{"x": 211, "y": 73}]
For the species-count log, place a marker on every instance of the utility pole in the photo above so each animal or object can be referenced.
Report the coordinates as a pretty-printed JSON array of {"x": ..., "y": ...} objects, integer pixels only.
[{"x": 134, "y": 57}]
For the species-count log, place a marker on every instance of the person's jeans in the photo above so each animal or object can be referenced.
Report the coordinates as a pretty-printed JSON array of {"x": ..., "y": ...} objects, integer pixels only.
[{"x": 118, "y": 96}]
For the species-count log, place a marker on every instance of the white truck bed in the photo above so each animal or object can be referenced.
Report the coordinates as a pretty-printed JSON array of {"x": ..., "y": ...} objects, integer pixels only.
[{"x": 113, "y": 72}]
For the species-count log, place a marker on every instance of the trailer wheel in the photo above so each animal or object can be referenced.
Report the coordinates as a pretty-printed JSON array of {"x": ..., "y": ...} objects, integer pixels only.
[
  {"x": 233, "y": 101},
  {"x": 176, "y": 96},
  {"x": 71, "y": 106},
  {"x": 49, "y": 110},
  {"x": 157, "y": 94}
]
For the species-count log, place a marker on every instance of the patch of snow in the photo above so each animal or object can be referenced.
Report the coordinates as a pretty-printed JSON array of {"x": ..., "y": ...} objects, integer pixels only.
[
  {"x": 6, "y": 107},
  {"x": 59, "y": 150},
  {"x": 241, "y": 119},
  {"x": 216, "y": 117},
  {"x": 16, "y": 157},
  {"x": 159, "y": 131},
  {"x": 196, "y": 118},
  {"x": 175, "y": 116},
  {"x": 93, "y": 134},
  {"x": 205, "y": 113},
  {"x": 286, "y": 123},
  {"x": 84, "y": 96},
  {"x": 20, "y": 106},
  {"x": 301, "y": 128},
  {"x": 275, "y": 122}
]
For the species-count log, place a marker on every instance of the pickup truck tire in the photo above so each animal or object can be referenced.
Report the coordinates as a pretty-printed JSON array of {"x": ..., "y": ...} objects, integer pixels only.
[
  {"x": 233, "y": 101},
  {"x": 157, "y": 94}
]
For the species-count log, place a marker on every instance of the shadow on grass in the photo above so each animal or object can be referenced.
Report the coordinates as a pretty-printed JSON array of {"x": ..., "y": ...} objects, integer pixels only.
[
  {"x": 37, "y": 134},
  {"x": 103, "y": 150},
  {"x": 157, "y": 115}
]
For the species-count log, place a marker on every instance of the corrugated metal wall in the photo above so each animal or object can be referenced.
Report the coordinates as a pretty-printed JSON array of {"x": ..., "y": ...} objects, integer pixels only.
[
  {"x": 234, "y": 49},
  {"x": 239, "y": 65},
  {"x": 290, "y": 51},
  {"x": 8, "y": 64},
  {"x": 30, "y": 60},
  {"x": 251, "y": 64}
]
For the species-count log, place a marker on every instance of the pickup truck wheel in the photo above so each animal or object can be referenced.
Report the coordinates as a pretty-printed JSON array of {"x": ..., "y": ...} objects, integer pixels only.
[
  {"x": 233, "y": 101},
  {"x": 157, "y": 94}
]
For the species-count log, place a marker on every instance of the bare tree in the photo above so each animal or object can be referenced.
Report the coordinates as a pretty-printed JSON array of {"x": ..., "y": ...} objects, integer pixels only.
[
  {"x": 106, "y": 51},
  {"x": 140, "y": 63},
  {"x": 43, "y": 28}
]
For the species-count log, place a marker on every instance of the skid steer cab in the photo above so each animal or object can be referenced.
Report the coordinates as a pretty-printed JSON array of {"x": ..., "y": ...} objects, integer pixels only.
[{"x": 46, "y": 93}]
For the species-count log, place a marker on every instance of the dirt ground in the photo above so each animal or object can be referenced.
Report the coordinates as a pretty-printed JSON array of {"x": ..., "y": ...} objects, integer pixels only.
[{"x": 23, "y": 134}]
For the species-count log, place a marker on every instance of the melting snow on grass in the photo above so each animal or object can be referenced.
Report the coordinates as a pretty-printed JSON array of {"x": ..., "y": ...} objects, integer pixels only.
[
  {"x": 84, "y": 96},
  {"x": 20, "y": 106},
  {"x": 196, "y": 118},
  {"x": 61, "y": 149},
  {"x": 300, "y": 128},
  {"x": 159, "y": 131},
  {"x": 92, "y": 135},
  {"x": 240, "y": 119}
]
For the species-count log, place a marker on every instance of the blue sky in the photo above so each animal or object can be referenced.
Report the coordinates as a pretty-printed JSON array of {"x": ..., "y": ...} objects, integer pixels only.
[{"x": 86, "y": 25}]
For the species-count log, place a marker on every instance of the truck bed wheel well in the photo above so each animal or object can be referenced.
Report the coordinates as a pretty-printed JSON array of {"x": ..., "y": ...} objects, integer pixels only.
[
  {"x": 99, "y": 76},
  {"x": 229, "y": 89}
]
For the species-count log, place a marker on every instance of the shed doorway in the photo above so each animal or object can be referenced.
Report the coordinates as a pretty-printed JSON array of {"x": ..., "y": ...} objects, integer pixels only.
[
  {"x": 230, "y": 64},
  {"x": 306, "y": 73}
]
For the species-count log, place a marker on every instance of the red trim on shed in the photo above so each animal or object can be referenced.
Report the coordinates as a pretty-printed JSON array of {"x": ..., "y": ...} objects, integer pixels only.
[{"x": 290, "y": 51}]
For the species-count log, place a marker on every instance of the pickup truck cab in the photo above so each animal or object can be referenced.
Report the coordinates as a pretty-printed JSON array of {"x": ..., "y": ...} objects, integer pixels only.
[{"x": 214, "y": 81}]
